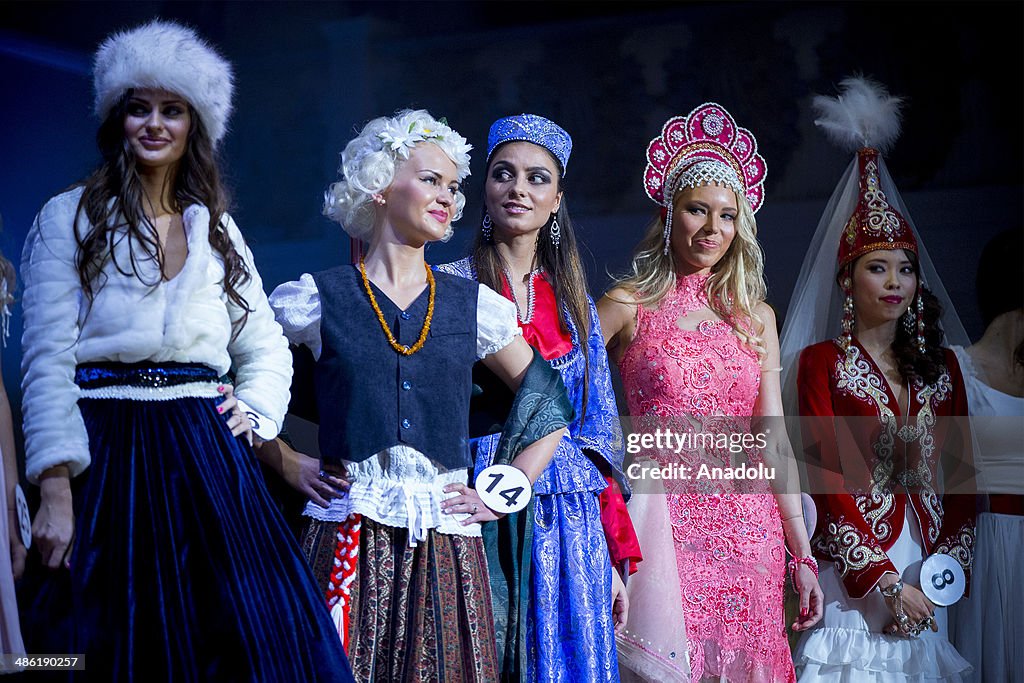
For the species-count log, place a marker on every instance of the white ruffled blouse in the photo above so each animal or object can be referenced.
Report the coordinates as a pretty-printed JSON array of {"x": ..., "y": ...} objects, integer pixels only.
[
  {"x": 187, "y": 319},
  {"x": 398, "y": 487}
]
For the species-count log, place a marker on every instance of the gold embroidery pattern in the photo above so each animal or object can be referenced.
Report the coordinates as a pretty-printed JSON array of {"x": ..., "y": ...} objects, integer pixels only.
[
  {"x": 921, "y": 474},
  {"x": 882, "y": 220},
  {"x": 874, "y": 508},
  {"x": 856, "y": 378},
  {"x": 960, "y": 547},
  {"x": 693, "y": 149},
  {"x": 851, "y": 230},
  {"x": 846, "y": 545},
  {"x": 928, "y": 397}
]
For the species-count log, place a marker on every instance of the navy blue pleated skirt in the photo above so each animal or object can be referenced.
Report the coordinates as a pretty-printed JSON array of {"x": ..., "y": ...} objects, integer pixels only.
[{"x": 181, "y": 567}]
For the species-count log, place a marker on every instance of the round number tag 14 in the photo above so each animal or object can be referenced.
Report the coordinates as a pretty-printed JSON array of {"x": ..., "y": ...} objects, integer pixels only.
[
  {"x": 504, "y": 488},
  {"x": 942, "y": 579}
]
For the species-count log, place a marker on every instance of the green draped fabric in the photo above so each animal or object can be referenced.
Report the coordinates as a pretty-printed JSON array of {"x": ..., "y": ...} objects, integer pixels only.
[{"x": 541, "y": 406}]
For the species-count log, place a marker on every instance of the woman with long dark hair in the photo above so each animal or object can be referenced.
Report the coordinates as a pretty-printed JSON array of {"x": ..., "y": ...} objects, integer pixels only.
[
  {"x": 526, "y": 250},
  {"x": 877, "y": 402},
  {"x": 167, "y": 558}
]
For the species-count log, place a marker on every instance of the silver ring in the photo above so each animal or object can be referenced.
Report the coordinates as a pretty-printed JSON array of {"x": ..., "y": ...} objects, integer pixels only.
[
  {"x": 322, "y": 475},
  {"x": 475, "y": 508}
]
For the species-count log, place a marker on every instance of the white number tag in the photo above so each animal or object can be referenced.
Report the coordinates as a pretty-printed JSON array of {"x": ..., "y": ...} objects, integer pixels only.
[
  {"x": 942, "y": 579},
  {"x": 24, "y": 520},
  {"x": 504, "y": 488}
]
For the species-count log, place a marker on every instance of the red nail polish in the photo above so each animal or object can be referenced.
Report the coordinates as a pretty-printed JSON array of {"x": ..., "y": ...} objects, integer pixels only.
[{"x": 220, "y": 409}]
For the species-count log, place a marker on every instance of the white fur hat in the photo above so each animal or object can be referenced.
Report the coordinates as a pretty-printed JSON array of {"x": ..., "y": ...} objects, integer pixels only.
[{"x": 168, "y": 56}]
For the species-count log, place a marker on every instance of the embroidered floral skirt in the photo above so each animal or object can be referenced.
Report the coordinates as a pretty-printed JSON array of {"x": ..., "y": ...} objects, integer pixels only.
[
  {"x": 731, "y": 565},
  {"x": 417, "y": 614}
]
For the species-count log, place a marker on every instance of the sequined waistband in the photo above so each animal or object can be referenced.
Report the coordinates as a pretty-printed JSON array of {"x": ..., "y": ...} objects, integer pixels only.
[
  {"x": 147, "y": 381},
  {"x": 143, "y": 375}
]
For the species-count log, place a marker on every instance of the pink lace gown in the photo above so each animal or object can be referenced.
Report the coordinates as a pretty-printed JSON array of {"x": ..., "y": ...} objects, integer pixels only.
[{"x": 728, "y": 545}]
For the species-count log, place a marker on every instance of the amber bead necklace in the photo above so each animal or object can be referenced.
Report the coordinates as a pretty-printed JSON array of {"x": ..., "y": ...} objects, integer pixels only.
[{"x": 401, "y": 348}]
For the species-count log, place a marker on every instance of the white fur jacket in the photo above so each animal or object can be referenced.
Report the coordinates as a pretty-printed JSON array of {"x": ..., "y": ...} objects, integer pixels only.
[{"x": 186, "y": 319}]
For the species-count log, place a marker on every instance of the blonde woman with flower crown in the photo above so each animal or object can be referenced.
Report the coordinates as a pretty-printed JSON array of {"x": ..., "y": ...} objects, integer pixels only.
[
  {"x": 395, "y": 528},
  {"x": 698, "y": 352}
]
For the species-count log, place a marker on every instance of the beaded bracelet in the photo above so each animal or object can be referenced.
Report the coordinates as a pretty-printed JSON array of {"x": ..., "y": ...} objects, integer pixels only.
[
  {"x": 808, "y": 561},
  {"x": 893, "y": 590},
  {"x": 895, "y": 593}
]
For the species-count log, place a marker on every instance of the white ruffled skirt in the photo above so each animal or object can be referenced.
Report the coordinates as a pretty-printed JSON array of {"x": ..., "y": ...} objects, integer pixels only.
[
  {"x": 848, "y": 646},
  {"x": 987, "y": 626}
]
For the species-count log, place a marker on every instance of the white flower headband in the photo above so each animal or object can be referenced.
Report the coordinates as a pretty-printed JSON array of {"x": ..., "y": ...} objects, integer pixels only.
[{"x": 401, "y": 141}]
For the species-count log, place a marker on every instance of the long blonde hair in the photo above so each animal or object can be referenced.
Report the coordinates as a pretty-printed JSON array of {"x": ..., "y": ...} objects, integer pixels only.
[{"x": 736, "y": 284}]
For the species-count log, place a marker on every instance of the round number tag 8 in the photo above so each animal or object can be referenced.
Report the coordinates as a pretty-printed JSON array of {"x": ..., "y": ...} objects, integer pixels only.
[
  {"x": 942, "y": 579},
  {"x": 504, "y": 488}
]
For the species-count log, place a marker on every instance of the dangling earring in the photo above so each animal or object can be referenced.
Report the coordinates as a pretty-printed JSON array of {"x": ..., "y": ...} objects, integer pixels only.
[
  {"x": 667, "y": 234},
  {"x": 845, "y": 339},
  {"x": 555, "y": 232},
  {"x": 907, "y": 320},
  {"x": 920, "y": 323},
  {"x": 487, "y": 229}
]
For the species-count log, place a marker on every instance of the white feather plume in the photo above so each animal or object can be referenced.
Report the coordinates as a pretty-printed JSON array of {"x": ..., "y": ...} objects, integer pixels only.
[{"x": 864, "y": 114}]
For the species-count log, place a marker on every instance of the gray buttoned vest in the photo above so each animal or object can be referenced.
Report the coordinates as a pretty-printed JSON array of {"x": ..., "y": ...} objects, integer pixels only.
[{"x": 369, "y": 396}]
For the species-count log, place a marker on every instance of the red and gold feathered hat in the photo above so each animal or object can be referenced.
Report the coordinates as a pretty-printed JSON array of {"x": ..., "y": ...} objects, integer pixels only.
[
  {"x": 865, "y": 118},
  {"x": 875, "y": 223}
]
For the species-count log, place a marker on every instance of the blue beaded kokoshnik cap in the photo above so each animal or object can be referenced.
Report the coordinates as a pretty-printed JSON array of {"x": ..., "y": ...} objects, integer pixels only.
[{"x": 531, "y": 128}]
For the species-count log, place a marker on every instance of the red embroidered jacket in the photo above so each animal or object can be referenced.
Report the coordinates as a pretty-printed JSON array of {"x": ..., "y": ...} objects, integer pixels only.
[{"x": 864, "y": 470}]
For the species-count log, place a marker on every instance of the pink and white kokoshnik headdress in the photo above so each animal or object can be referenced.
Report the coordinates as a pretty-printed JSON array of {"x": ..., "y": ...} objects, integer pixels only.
[{"x": 706, "y": 146}]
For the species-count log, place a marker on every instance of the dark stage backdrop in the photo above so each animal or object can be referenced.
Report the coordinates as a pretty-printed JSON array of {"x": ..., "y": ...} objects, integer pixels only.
[{"x": 310, "y": 73}]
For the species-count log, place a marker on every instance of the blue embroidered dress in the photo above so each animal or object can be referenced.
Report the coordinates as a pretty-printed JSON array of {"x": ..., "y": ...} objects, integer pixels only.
[{"x": 570, "y": 632}]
